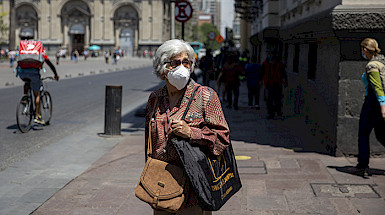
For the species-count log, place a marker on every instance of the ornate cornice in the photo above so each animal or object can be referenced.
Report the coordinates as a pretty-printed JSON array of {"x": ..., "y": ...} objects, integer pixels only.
[{"x": 358, "y": 18}]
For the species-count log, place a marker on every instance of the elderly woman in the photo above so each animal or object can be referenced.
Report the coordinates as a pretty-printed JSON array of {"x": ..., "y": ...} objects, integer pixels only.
[
  {"x": 373, "y": 110},
  {"x": 204, "y": 124}
]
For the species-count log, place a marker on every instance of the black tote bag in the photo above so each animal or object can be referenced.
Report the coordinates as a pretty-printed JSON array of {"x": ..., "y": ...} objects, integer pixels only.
[{"x": 214, "y": 178}]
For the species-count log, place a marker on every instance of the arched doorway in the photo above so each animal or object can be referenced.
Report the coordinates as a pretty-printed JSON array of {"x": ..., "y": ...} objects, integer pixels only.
[
  {"x": 26, "y": 22},
  {"x": 127, "y": 41},
  {"x": 77, "y": 32},
  {"x": 27, "y": 34},
  {"x": 126, "y": 26},
  {"x": 76, "y": 17}
]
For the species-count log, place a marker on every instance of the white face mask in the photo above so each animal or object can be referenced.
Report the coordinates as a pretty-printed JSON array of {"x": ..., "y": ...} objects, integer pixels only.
[
  {"x": 179, "y": 76},
  {"x": 364, "y": 56}
]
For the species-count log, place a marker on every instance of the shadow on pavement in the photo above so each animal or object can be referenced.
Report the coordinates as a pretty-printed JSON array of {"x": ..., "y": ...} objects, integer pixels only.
[
  {"x": 250, "y": 125},
  {"x": 135, "y": 119},
  {"x": 354, "y": 171},
  {"x": 34, "y": 127}
]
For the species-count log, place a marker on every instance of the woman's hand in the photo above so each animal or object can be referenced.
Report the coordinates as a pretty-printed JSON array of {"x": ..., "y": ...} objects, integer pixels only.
[
  {"x": 383, "y": 111},
  {"x": 180, "y": 128}
]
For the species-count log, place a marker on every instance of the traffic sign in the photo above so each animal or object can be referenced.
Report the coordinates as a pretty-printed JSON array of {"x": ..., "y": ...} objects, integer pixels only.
[
  {"x": 212, "y": 35},
  {"x": 183, "y": 11},
  {"x": 219, "y": 38}
]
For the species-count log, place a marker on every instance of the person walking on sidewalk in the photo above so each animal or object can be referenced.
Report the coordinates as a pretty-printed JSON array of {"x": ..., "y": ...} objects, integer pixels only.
[
  {"x": 75, "y": 55},
  {"x": 274, "y": 78},
  {"x": 232, "y": 70},
  {"x": 106, "y": 56},
  {"x": 12, "y": 58},
  {"x": 206, "y": 64},
  {"x": 253, "y": 77},
  {"x": 204, "y": 124},
  {"x": 58, "y": 55},
  {"x": 373, "y": 110}
]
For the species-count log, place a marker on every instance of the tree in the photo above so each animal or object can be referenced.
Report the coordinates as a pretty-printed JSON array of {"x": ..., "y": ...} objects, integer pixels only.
[
  {"x": 204, "y": 31},
  {"x": 3, "y": 28},
  {"x": 193, "y": 32},
  {"x": 190, "y": 30}
]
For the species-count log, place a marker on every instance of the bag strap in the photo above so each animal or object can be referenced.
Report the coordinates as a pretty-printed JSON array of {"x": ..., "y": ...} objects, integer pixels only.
[
  {"x": 149, "y": 140},
  {"x": 189, "y": 102}
]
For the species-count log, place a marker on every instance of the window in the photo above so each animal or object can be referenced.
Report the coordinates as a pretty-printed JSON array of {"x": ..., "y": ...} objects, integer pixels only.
[
  {"x": 296, "y": 58},
  {"x": 312, "y": 60}
]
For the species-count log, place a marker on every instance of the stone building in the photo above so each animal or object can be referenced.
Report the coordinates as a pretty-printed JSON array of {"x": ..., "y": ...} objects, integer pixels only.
[
  {"x": 319, "y": 42},
  {"x": 130, "y": 25}
]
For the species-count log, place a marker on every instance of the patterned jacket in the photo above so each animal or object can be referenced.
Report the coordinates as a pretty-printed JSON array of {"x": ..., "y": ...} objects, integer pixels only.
[{"x": 205, "y": 118}]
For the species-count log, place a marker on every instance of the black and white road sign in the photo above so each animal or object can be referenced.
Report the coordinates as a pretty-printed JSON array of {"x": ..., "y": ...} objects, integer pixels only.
[
  {"x": 212, "y": 35},
  {"x": 183, "y": 11}
]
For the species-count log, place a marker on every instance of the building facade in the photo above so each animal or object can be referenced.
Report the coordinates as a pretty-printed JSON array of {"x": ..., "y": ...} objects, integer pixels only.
[
  {"x": 206, "y": 11},
  {"x": 319, "y": 42},
  {"x": 129, "y": 25}
]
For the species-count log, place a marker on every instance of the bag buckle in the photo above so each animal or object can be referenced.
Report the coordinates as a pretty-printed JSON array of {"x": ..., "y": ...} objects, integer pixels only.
[{"x": 156, "y": 199}]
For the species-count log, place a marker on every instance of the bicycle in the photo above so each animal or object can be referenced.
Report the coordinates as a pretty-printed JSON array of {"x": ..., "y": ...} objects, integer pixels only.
[{"x": 25, "y": 110}]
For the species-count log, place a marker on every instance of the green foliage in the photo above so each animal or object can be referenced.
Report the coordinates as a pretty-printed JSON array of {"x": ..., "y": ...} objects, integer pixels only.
[
  {"x": 3, "y": 27},
  {"x": 204, "y": 30},
  {"x": 193, "y": 32}
]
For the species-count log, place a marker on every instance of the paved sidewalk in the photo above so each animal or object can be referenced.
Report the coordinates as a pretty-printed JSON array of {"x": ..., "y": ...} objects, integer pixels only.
[
  {"x": 283, "y": 175},
  {"x": 69, "y": 69}
]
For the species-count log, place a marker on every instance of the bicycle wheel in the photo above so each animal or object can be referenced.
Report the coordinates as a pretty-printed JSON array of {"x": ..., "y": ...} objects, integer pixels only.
[
  {"x": 24, "y": 114},
  {"x": 46, "y": 106}
]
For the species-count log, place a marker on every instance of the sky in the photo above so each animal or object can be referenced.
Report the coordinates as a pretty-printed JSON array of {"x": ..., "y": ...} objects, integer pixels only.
[{"x": 227, "y": 15}]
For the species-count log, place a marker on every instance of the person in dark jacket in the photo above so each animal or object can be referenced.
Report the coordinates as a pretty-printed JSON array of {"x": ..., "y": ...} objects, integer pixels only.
[
  {"x": 232, "y": 70},
  {"x": 253, "y": 77},
  {"x": 274, "y": 79}
]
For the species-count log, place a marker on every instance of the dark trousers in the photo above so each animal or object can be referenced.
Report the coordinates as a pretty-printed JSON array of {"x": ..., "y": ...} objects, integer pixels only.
[
  {"x": 230, "y": 90},
  {"x": 253, "y": 93},
  {"x": 274, "y": 100},
  {"x": 370, "y": 118}
]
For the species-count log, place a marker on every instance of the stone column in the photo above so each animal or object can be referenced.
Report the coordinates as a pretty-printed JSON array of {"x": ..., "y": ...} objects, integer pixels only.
[
  {"x": 87, "y": 36},
  {"x": 66, "y": 40}
]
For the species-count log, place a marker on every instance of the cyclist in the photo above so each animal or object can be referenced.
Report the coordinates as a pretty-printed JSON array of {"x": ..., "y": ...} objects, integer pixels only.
[{"x": 31, "y": 77}]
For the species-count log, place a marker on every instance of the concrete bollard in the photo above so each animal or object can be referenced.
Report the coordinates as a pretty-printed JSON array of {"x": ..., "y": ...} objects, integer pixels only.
[{"x": 113, "y": 113}]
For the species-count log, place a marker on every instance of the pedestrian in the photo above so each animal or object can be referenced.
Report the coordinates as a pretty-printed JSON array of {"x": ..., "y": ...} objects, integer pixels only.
[
  {"x": 58, "y": 55},
  {"x": 205, "y": 123},
  {"x": 220, "y": 77},
  {"x": 114, "y": 58},
  {"x": 75, "y": 55},
  {"x": 373, "y": 110},
  {"x": 106, "y": 56},
  {"x": 12, "y": 57},
  {"x": 85, "y": 53},
  {"x": 206, "y": 64},
  {"x": 275, "y": 78},
  {"x": 232, "y": 70},
  {"x": 253, "y": 77}
]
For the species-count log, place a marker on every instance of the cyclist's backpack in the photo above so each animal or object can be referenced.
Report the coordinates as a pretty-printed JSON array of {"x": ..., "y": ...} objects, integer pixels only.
[{"x": 30, "y": 54}]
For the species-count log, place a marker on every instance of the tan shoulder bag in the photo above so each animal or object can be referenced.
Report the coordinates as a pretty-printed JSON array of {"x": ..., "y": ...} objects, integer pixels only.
[{"x": 161, "y": 185}]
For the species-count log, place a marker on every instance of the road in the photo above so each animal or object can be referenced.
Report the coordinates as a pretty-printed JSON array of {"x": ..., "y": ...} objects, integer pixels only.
[{"x": 77, "y": 102}]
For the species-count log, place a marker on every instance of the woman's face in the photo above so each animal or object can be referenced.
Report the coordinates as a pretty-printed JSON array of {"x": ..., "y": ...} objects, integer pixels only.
[
  {"x": 176, "y": 60},
  {"x": 366, "y": 53}
]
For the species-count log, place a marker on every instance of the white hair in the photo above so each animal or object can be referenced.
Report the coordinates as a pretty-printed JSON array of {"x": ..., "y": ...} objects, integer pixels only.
[{"x": 168, "y": 50}]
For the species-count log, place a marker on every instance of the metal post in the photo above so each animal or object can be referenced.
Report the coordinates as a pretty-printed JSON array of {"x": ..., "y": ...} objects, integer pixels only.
[
  {"x": 113, "y": 114},
  {"x": 182, "y": 30},
  {"x": 12, "y": 24},
  {"x": 172, "y": 19}
]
